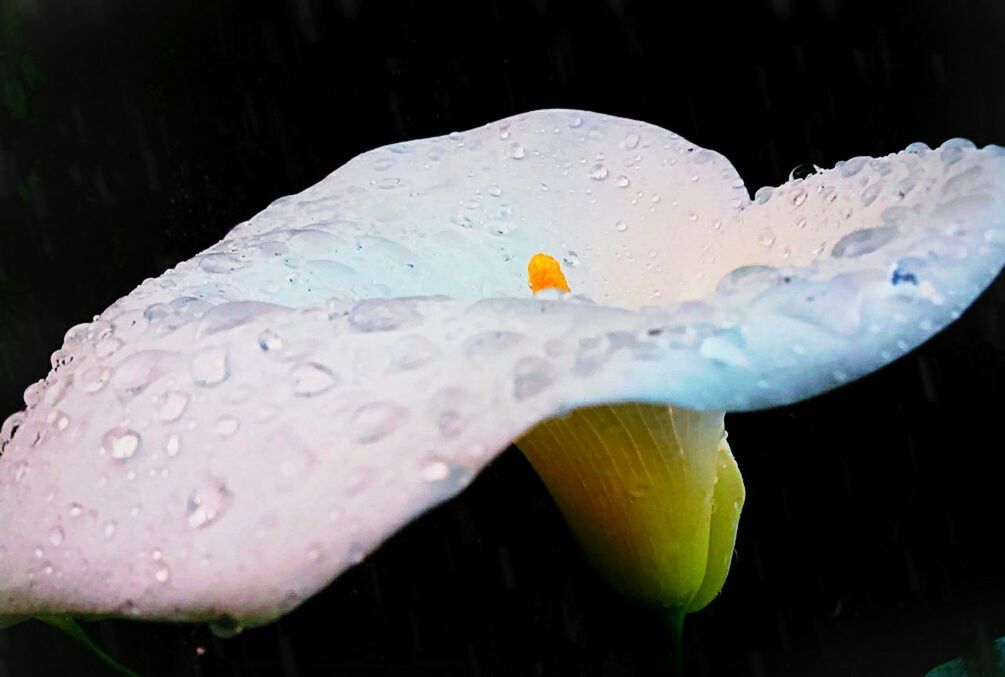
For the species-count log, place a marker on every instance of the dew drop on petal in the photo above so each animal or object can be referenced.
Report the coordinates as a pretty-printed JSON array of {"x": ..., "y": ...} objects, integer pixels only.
[
  {"x": 227, "y": 426},
  {"x": 173, "y": 445},
  {"x": 269, "y": 341},
  {"x": 210, "y": 367},
  {"x": 622, "y": 181},
  {"x": 598, "y": 172},
  {"x": 56, "y": 536},
  {"x": 311, "y": 378},
  {"x": 171, "y": 405},
  {"x": 120, "y": 443},
  {"x": 376, "y": 420}
]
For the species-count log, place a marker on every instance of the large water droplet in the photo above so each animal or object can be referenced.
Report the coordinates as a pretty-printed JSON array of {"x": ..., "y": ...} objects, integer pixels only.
[
  {"x": 311, "y": 378},
  {"x": 862, "y": 242},
  {"x": 121, "y": 443},
  {"x": 269, "y": 341},
  {"x": 376, "y": 420},
  {"x": 171, "y": 405},
  {"x": 210, "y": 367},
  {"x": 531, "y": 375},
  {"x": 207, "y": 503}
]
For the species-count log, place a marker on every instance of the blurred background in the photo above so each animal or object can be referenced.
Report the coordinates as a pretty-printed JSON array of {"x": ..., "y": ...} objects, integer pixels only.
[{"x": 134, "y": 133}]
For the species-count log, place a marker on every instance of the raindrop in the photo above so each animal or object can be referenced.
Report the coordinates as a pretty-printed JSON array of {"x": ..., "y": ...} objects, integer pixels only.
[
  {"x": 802, "y": 171},
  {"x": 171, "y": 405},
  {"x": 799, "y": 197},
  {"x": 109, "y": 529},
  {"x": 206, "y": 504},
  {"x": 494, "y": 190},
  {"x": 869, "y": 194},
  {"x": 173, "y": 445},
  {"x": 120, "y": 443},
  {"x": 763, "y": 194},
  {"x": 210, "y": 367},
  {"x": 436, "y": 471},
  {"x": 621, "y": 226},
  {"x": 766, "y": 237},
  {"x": 863, "y": 241},
  {"x": 227, "y": 426},
  {"x": 311, "y": 378},
  {"x": 631, "y": 141},
  {"x": 531, "y": 375},
  {"x": 269, "y": 341},
  {"x": 517, "y": 151},
  {"x": 56, "y": 536},
  {"x": 622, "y": 181},
  {"x": 598, "y": 172},
  {"x": 571, "y": 259},
  {"x": 576, "y": 121},
  {"x": 375, "y": 421},
  {"x": 94, "y": 379}
]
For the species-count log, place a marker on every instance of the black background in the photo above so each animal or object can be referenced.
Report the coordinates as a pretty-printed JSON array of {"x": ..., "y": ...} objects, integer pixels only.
[{"x": 871, "y": 543}]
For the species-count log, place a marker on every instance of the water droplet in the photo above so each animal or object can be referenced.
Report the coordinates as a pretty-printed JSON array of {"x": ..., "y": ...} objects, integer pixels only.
[
  {"x": 494, "y": 190},
  {"x": 631, "y": 141},
  {"x": 622, "y": 181},
  {"x": 863, "y": 241},
  {"x": 94, "y": 379},
  {"x": 375, "y": 421},
  {"x": 802, "y": 171},
  {"x": 383, "y": 164},
  {"x": 227, "y": 426},
  {"x": 171, "y": 405},
  {"x": 621, "y": 226},
  {"x": 269, "y": 341},
  {"x": 56, "y": 536},
  {"x": 531, "y": 375},
  {"x": 436, "y": 471},
  {"x": 763, "y": 194},
  {"x": 207, "y": 503},
  {"x": 571, "y": 259},
  {"x": 107, "y": 347},
  {"x": 173, "y": 445},
  {"x": 575, "y": 121},
  {"x": 210, "y": 367},
  {"x": 120, "y": 443},
  {"x": 869, "y": 194},
  {"x": 798, "y": 197},
  {"x": 311, "y": 378},
  {"x": 598, "y": 172},
  {"x": 517, "y": 151},
  {"x": 109, "y": 529},
  {"x": 766, "y": 237},
  {"x": 76, "y": 510}
]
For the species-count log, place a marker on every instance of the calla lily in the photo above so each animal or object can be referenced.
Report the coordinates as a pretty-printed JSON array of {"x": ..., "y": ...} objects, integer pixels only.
[{"x": 229, "y": 437}]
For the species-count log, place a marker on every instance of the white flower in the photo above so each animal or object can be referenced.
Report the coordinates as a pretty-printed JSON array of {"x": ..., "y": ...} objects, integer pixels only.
[{"x": 229, "y": 437}]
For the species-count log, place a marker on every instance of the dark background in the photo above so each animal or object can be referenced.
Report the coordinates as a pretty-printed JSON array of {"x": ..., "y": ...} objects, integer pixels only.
[{"x": 135, "y": 133}]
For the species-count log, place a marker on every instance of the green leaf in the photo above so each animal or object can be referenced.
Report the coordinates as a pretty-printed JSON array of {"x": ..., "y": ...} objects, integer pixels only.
[
  {"x": 70, "y": 628},
  {"x": 988, "y": 660}
]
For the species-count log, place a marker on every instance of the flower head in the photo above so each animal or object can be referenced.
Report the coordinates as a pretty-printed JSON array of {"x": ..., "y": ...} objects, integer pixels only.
[{"x": 229, "y": 437}]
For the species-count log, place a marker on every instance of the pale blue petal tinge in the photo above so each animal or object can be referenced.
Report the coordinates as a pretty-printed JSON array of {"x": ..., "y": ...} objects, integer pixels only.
[{"x": 230, "y": 436}]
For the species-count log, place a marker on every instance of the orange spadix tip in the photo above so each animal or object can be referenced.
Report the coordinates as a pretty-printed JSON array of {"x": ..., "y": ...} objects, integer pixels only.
[{"x": 544, "y": 272}]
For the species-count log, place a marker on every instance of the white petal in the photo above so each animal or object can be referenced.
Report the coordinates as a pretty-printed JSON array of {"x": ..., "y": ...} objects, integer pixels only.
[{"x": 232, "y": 435}]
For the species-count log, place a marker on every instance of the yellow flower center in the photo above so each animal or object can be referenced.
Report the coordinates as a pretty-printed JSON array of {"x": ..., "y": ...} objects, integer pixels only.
[{"x": 544, "y": 272}]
